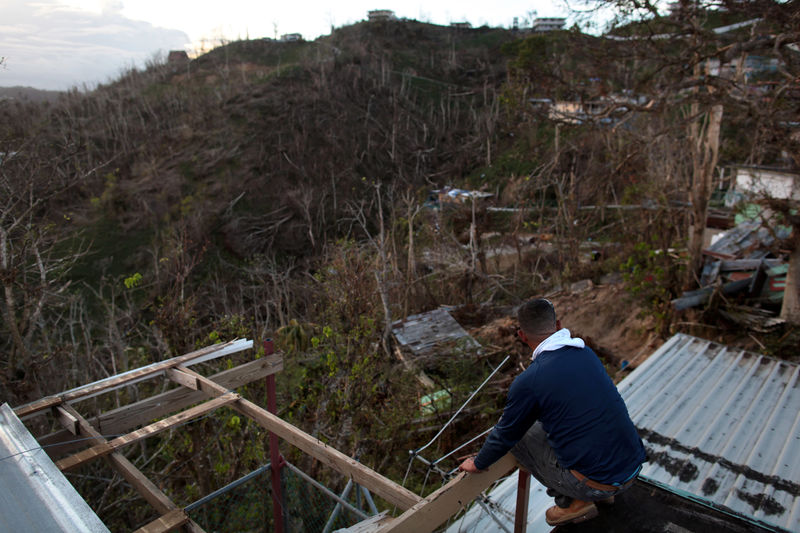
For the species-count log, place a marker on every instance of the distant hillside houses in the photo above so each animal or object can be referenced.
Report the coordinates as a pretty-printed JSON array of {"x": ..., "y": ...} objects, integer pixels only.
[
  {"x": 461, "y": 25},
  {"x": 380, "y": 14},
  {"x": 291, "y": 37},
  {"x": 545, "y": 24}
]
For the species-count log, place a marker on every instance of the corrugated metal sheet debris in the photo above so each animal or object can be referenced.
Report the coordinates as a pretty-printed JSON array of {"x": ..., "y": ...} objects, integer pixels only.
[{"x": 422, "y": 333}]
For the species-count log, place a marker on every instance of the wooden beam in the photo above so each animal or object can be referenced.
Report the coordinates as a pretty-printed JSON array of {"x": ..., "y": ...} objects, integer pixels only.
[
  {"x": 146, "y": 488},
  {"x": 380, "y": 485},
  {"x": 203, "y": 383},
  {"x": 127, "y": 378},
  {"x": 181, "y": 378},
  {"x": 66, "y": 419},
  {"x": 165, "y": 523},
  {"x": 384, "y": 487},
  {"x": 122, "y": 419},
  {"x": 105, "y": 448},
  {"x": 434, "y": 510}
]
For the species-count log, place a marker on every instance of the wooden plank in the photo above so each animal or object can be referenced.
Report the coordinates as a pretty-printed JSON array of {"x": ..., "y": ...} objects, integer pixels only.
[
  {"x": 121, "y": 420},
  {"x": 105, "y": 448},
  {"x": 127, "y": 470},
  {"x": 203, "y": 383},
  {"x": 66, "y": 419},
  {"x": 380, "y": 485},
  {"x": 182, "y": 378},
  {"x": 165, "y": 523},
  {"x": 434, "y": 510},
  {"x": 384, "y": 487},
  {"x": 107, "y": 385}
]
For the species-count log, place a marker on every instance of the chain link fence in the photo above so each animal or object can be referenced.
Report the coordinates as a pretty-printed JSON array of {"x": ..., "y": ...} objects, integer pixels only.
[{"x": 308, "y": 507}]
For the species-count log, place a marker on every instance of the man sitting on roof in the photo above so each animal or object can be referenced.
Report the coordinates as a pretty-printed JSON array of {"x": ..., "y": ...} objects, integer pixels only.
[{"x": 564, "y": 421}]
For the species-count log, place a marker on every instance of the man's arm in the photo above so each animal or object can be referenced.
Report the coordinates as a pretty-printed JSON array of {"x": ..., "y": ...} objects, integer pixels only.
[{"x": 520, "y": 412}]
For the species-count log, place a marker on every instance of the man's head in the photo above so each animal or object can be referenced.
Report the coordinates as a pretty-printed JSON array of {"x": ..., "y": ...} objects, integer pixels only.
[{"x": 537, "y": 321}]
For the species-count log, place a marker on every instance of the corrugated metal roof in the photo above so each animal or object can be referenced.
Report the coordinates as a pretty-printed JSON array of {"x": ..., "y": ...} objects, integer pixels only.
[
  {"x": 422, "y": 333},
  {"x": 34, "y": 494},
  {"x": 721, "y": 426},
  {"x": 748, "y": 239}
]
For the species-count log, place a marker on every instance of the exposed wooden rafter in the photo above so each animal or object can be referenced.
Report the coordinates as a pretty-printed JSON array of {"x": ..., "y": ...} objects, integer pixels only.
[
  {"x": 123, "y": 419},
  {"x": 146, "y": 488},
  {"x": 133, "y": 376}
]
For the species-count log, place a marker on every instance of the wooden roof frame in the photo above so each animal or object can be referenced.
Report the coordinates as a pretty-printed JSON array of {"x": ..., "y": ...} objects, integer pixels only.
[{"x": 214, "y": 392}]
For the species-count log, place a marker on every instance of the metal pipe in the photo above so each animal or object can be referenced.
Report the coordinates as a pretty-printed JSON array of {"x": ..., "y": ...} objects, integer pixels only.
[
  {"x": 230, "y": 486},
  {"x": 338, "y": 508},
  {"x": 327, "y": 491},
  {"x": 367, "y": 496}
]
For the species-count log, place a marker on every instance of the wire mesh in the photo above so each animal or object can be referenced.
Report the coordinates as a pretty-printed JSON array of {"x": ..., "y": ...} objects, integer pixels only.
[{"x": 248, "y": 507}]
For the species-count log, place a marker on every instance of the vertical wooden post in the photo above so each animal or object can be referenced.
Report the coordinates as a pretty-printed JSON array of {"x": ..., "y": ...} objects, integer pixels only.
[
  {"x": 523, "y": 490},
  {"x": 275, "y": 457}
]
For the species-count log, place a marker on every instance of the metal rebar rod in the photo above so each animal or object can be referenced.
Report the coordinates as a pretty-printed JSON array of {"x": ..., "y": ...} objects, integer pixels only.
[
  {"x": 492, "y": 515},
  {"x": 485, "y": 381},
  {"x": 470, "y": 441},
  {"x": 327, "y": 491}
]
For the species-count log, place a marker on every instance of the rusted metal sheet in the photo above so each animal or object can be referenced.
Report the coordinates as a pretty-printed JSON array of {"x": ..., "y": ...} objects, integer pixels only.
[{"x": 422, "y": 333}]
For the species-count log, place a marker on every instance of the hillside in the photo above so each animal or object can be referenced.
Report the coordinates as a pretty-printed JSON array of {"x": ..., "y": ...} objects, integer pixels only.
[{"x": 285, "y": 190}]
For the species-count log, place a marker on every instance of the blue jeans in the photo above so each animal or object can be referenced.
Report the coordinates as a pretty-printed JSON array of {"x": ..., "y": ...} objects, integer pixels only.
[{"x": 536, "y": 455}]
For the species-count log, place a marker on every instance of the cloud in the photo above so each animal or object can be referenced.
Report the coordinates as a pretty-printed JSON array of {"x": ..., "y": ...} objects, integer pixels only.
[{"x": 48, "y": 45}]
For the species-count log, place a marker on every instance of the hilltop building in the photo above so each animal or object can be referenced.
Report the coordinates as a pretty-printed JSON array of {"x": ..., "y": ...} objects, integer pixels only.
[
  {"x": 291, "y": 37},
  {"x": 177, "y": 57},
  {"x": 380, "y": 14},
  {"x": 541, "y": 25}
]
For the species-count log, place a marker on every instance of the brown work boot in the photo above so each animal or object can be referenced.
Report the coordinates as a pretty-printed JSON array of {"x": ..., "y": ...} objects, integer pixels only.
[
  {"x": 606, "y": 501},
  {"x": 578, "y": 511}
]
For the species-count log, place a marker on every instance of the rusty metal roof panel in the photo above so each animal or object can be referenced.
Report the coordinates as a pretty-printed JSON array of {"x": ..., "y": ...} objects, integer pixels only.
[
  {"x": 746, "y": 240},
  {"x": 422, "y": 333},
  {"x": 34, "y": 494},
  {"x": 722, "y": 426}
]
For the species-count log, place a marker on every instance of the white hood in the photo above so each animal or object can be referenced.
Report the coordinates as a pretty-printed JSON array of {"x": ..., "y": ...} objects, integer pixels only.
[{"x": 557, "y": 340}]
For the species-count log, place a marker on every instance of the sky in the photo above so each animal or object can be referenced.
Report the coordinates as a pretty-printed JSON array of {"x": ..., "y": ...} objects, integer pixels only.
[{"x": 60, "y": 44}]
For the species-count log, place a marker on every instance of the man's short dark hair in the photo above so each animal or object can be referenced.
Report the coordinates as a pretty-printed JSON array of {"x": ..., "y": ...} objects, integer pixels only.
[{"x": 537, "y": 317}]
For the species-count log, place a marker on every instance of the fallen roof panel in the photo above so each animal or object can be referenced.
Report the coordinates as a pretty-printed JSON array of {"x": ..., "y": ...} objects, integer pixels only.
[
  {"x": 422, "y": 333},
  {"x": 34, "y": 494}
]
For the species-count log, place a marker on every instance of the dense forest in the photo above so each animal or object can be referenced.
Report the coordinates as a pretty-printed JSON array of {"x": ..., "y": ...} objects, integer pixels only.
[{"x": 284, "y": 190}]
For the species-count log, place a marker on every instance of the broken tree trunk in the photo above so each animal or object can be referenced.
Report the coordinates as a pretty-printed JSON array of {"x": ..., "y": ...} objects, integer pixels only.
[{"x": 704, "y": 142}]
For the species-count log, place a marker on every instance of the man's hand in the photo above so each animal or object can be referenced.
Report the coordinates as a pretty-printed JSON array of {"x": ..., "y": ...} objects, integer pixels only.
[{"x": 469, "y": 466}]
